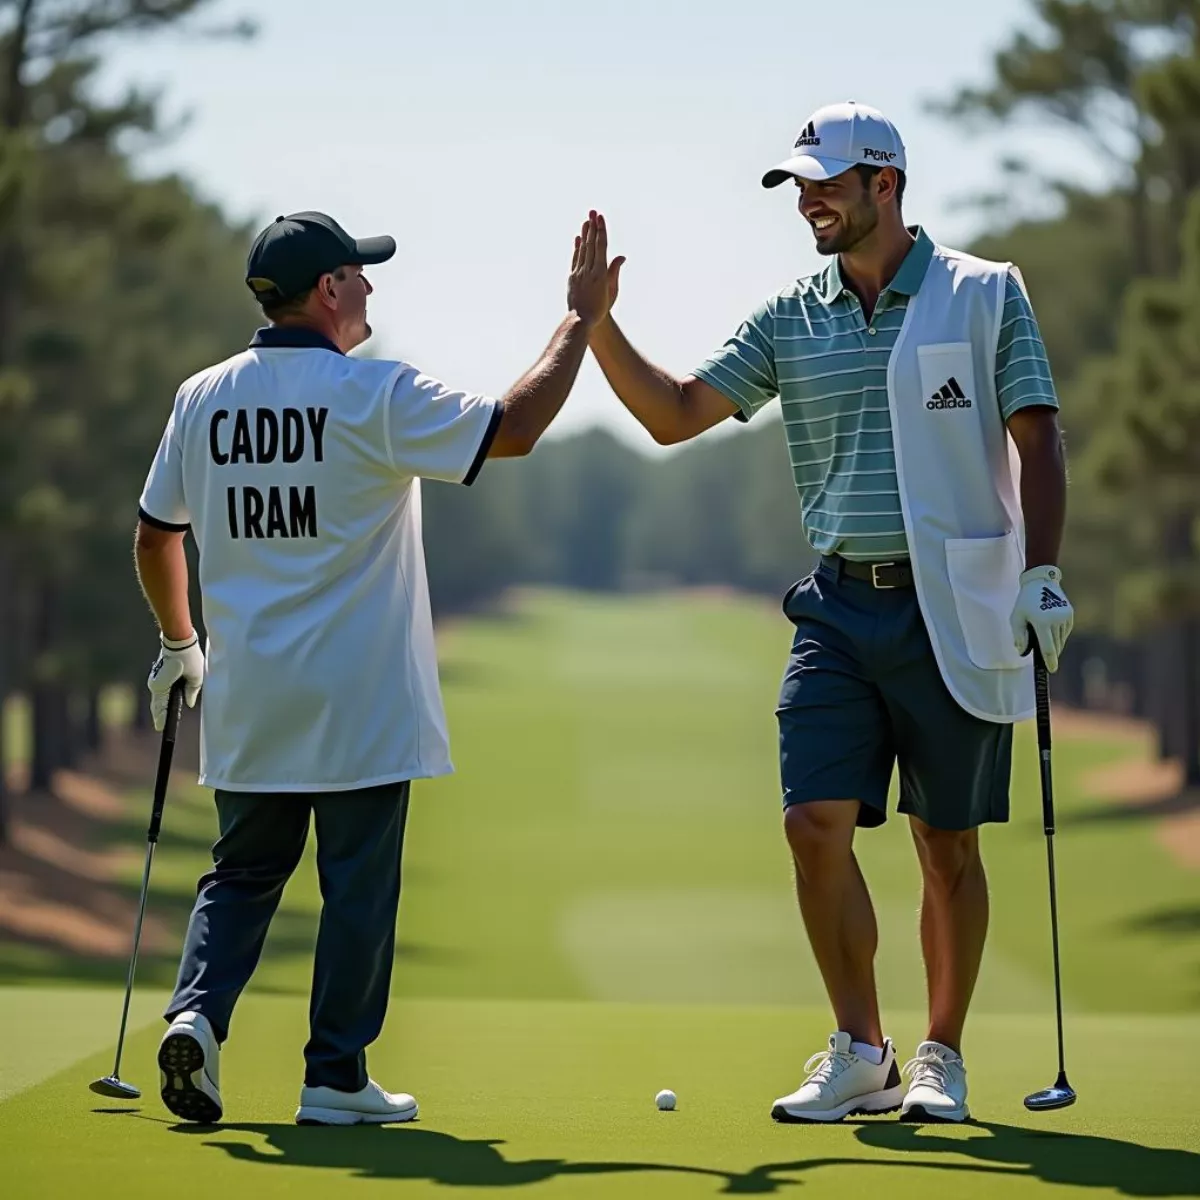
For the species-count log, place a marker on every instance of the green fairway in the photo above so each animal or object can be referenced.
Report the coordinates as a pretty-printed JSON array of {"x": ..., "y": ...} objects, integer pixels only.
[{"x": 599, "y": 904}]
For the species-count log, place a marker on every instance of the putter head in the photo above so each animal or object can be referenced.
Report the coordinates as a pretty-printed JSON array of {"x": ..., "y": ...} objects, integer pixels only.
[
  {"x": 1060, "y": 1095},
  {"x": 112, "y": 1087}
]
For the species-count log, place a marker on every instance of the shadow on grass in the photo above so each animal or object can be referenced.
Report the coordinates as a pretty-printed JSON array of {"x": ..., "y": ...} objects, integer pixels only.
[
  {"x": 1081, "y": 1160},
  {"x": 372, "y": 1152},
  {"x": 1179, "y": 921},
  {"x": 1174, "y": 805},
  {"x": 411, "y": 1153}
]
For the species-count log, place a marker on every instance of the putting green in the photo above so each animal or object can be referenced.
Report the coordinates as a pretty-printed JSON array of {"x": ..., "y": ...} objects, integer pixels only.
[
  {"x": 599, "y": 905},
  {"x": 560, "y": 1095},
  {"x": 51, "y": 1028}
]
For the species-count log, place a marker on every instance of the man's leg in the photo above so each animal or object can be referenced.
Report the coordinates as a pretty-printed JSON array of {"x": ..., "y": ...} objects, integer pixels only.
[
  {"x": 360, "y": 837},
  {"x": 954, "y": 921},
  {"x": 836, "y": 760},
  {"x": 837, "y": 911},
  {"x": 260, "y": 843},
  {"x": 954, "y": 777}
]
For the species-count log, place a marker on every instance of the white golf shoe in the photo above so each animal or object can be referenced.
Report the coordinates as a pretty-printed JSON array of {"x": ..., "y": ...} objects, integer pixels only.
[
  {"x": 841, "y": 1084},
  {"x": 938, "y": 1087},
  {"x": 371, "y": 1106},
  {"x": 189, "y": 1069}
]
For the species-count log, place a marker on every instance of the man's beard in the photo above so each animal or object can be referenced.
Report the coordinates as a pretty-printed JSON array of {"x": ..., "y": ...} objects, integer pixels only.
[{"x": 854, "y": 226}]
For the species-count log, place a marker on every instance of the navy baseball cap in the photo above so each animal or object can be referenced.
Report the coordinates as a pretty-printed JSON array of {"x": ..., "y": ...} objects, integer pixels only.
[{"x": 292, "y": 253}]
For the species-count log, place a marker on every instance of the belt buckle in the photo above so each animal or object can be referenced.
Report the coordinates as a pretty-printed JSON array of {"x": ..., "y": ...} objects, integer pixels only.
[{"x": 883, "y": 587}]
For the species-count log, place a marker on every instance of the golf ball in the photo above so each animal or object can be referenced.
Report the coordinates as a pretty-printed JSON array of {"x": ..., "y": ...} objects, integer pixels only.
[{"x": 665, "y": 1100}]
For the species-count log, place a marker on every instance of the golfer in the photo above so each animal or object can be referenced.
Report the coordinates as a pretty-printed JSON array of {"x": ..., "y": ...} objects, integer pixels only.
[
  {"x": 297, "y": 469},
  {"x": 903, "y": 370}
]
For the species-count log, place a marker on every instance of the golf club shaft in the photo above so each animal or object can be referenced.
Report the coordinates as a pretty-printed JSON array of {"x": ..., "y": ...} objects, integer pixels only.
[
  {"x": 1042, "y": 695},
  {"x": 137, "y": 941},
  {"x": 165, "y": 754},
  {"x": 1058, "y": 1008}
]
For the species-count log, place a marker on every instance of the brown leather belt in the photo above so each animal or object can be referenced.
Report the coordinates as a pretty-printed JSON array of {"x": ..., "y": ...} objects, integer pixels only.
[{"x": 882, "y": 575}]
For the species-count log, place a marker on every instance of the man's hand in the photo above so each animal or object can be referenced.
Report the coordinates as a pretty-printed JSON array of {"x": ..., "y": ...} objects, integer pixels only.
[
  {"x": 176, "y": 660},
  {"x": 592, "y": 284},
  {"x": 1042, "y": 605}
]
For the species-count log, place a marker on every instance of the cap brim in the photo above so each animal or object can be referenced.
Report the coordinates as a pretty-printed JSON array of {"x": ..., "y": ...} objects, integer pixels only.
[
  {"x": 374, "y": 249},
  {"x": 805, "y": 166}
]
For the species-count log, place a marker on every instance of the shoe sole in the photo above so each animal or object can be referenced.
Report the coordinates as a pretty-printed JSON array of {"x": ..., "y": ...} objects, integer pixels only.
[
  {"x": 180, "y": 1057},
  {"x": 340, "y": 1116},
  {"x": 874, "y": 1104},
  {"x": 919, "y": 1114}
]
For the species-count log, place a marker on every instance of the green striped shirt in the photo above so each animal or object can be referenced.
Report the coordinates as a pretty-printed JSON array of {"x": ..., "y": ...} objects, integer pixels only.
[{"x": 811, "y": 345}]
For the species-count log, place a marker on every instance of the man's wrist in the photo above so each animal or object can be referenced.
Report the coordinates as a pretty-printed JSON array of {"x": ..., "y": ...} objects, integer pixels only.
[
  {"x": 178, "y": 643},
  {"x": 603, "y": 329}
]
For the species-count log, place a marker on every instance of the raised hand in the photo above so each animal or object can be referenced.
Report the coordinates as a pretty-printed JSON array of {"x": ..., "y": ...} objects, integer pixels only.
[{"x": 592, "y": 284}]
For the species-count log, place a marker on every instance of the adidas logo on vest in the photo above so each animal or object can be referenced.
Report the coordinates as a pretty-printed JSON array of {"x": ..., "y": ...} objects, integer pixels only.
[
  {"x": 808, "y": 137},
  {"x": 949, "y": 395}
]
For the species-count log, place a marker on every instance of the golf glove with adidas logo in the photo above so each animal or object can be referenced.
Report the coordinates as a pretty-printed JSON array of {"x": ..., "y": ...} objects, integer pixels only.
[
  {"x": 176, "y": 660},
  {"x": 1043, "y": 606}
]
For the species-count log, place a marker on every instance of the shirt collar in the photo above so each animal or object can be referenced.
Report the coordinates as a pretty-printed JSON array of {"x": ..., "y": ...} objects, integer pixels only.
[
  {"x": 292, "y": 337},
  {"x": 907, "y": 280}
]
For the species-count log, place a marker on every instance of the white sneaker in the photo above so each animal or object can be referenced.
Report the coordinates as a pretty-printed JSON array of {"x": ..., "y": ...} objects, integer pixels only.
[
  {"x": 189, "y": 1069},
  {"x": 371, "y": 1106},
  {"x": 938, "y": 1091},
  {"x": 841, "y": 1083}
]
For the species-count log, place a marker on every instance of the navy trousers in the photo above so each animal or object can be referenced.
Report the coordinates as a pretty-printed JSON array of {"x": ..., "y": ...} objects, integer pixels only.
[{"x": 360, "y": 837}]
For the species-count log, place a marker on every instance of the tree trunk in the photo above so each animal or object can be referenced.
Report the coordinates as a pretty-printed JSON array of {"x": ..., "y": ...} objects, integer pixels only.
[
  {"x": 8, "y": 624},
  {"x": 1190, "y": 694},
  {"x": 47, "y": 738},
  {"x": 93, "y": 730},
  {"x": 1140, "y": 232},
  {"x": 50, "y": 716}
]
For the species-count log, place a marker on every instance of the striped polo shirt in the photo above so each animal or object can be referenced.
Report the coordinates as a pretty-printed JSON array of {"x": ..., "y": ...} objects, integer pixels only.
[{"x": 811, "y": 345}]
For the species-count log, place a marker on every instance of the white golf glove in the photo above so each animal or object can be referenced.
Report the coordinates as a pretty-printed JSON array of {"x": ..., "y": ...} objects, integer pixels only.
[
  {"x": 1043, "y": 605},
  {"x": 176, "y": 660}
]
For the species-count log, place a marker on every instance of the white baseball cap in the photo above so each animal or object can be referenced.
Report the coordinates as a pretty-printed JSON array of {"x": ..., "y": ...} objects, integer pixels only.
[{"x": 836, "y": 138}]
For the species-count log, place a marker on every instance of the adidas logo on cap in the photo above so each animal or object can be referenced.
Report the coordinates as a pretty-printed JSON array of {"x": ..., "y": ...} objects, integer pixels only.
[
  {"x": 808, "y": 137},
  {"x": 949, "y": 395}
]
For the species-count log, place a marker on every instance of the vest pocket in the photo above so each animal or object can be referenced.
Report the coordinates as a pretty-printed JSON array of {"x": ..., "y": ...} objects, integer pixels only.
[{"x": 985, "y": 576}]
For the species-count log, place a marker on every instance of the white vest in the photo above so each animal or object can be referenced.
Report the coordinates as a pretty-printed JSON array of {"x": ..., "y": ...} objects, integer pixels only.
[{"x": 958, "y": 476}]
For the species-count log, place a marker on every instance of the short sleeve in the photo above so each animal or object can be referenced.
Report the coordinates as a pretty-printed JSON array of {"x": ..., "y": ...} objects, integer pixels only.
[
  {"x": 744, "y": 368},
  {"x": 1023, "y": 376},
  {"x": 163, "y": 502},
  {"x": 433, "y": 432}
]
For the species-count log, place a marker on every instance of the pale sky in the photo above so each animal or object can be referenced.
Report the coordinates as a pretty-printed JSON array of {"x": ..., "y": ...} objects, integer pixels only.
[{"x": 479, "y": 133}]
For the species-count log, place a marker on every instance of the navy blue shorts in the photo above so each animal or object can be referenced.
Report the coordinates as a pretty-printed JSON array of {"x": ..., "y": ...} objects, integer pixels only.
[{"x": 863, "y": 694}]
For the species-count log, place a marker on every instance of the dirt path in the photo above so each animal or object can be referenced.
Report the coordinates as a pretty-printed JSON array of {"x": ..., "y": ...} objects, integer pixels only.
[
  {"x": 1147, "y": 786},
  {"x": 63, "y": 885}
]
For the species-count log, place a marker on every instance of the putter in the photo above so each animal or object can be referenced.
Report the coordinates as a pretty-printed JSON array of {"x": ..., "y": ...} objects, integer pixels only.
[
  {"x": 113, "y": 1085},
  {"x": 1060, "y": 1094}
]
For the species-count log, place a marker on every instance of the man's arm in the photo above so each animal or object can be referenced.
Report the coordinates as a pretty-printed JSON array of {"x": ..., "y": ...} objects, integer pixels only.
[
  {"x": 1038, "y": 439},
  {"x": 1029, "y": 406},
  {"x": 674, "y": 410},
  {"x": 535, "y": 399},
  {"x": 671, "y": 410},
  {"x": 163, "y": 574}
]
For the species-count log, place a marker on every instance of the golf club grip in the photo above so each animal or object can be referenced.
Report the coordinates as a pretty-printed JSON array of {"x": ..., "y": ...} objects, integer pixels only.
[
  {"x": 165, "y": 754},
  {"x": 1041, "y": 692}
]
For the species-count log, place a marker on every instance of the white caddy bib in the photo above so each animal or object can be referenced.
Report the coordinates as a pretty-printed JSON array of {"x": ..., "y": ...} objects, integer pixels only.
[{"x": 958, "y": 475}]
